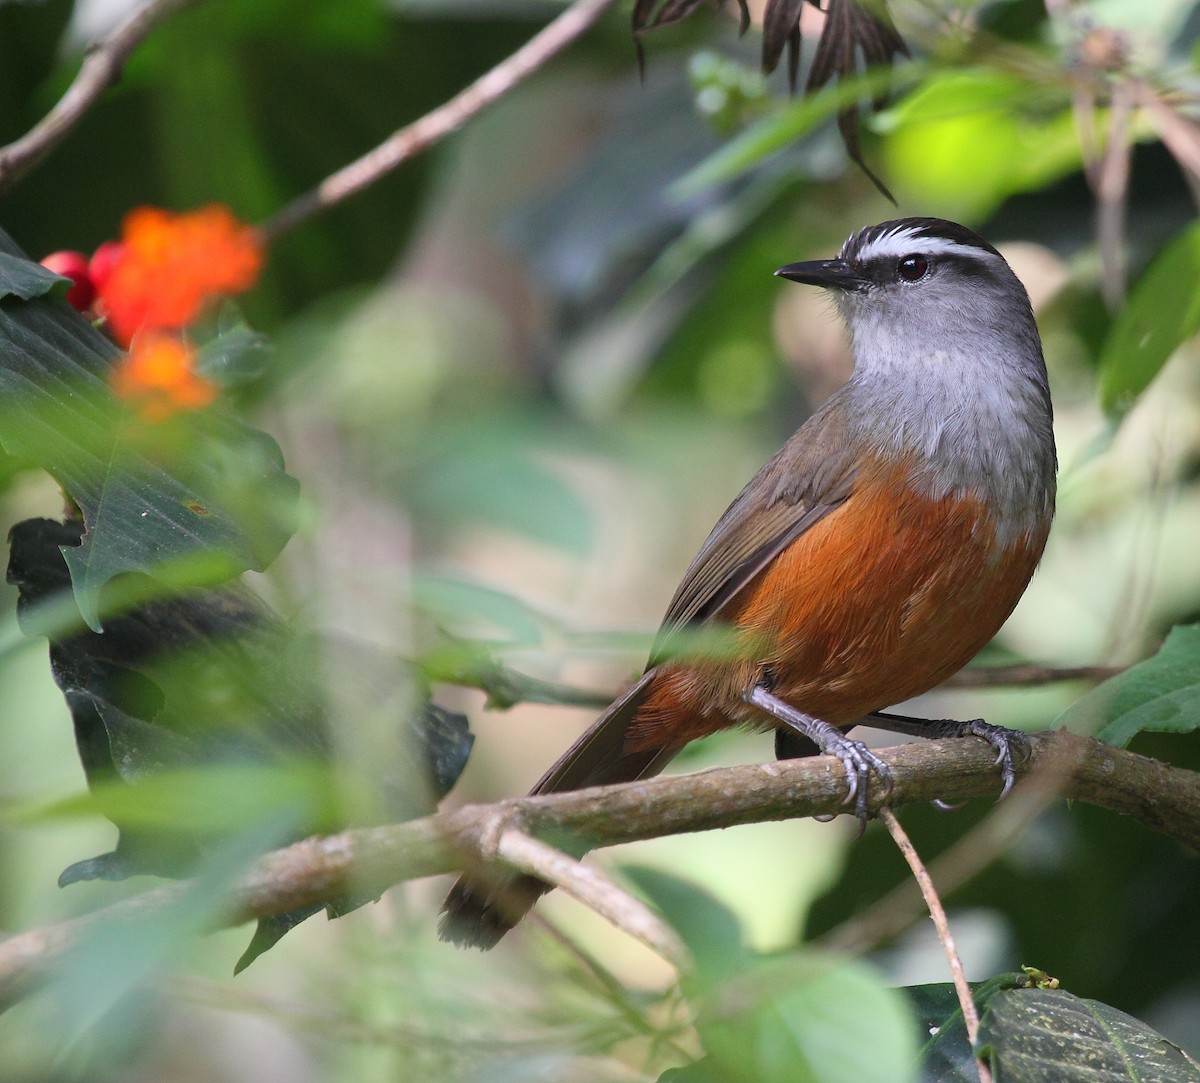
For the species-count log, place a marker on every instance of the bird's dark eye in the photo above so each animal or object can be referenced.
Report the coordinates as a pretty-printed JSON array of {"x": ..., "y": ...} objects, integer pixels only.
[{"x": 912, "y": 268}]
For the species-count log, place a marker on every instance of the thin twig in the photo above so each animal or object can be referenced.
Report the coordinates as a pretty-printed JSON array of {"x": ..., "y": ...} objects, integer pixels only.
[
  {"x": 101, "y": 68},
  {"x": 898, "y": 909},
  {"x": 436, "y": 125},
  {"x": 1180, "y": 134},
  {"x": 596, "y": 891},
  {"x": 1025, "y": 675},
  {"x": 1111, "y": 188},
  {"x": 938, "y": 913}
]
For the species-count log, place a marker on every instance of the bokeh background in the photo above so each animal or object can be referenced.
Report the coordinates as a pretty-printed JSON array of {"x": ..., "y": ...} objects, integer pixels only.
[{"x": 518, "y": 381}]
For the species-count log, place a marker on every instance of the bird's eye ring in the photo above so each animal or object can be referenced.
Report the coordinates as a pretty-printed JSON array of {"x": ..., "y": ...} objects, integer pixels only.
[{"x": 912, "y": 268}]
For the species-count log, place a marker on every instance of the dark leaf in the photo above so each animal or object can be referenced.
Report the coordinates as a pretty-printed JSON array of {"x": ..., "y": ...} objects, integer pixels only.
[
  {"x": 1162, "y": 312},
  {"x": 190, "y": 709},
  {"x": 1052, "y": 1036},
  {"x": 850, "y": 30},
  {"x": 781, "y": 20},
  {"x": 21, "y": 277},
  {"x": 946, "y": 1056}
]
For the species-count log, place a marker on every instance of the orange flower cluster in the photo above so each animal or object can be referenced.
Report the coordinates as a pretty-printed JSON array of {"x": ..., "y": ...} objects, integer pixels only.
[
  {"x": 158, "y": 374},
  {"x": 155, "y": 281},
  {"x": 169, "y": 265}
]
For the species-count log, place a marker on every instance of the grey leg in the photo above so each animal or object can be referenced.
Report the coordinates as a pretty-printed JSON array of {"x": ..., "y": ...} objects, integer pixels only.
[
  {"x": 856, "y": 758},
  {"x": 1007, "y": 743}
]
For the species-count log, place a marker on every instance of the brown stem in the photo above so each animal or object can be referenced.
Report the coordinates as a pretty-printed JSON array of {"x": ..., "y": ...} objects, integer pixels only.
[
  {"x": 936, "y": 911},
  {"x": 436, "y": 125},
  {"x": 1164, "y": 798},
  {"x": 101, "y": 68}
]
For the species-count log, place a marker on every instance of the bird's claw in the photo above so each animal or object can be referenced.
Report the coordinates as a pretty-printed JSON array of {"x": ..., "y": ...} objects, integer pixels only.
[
  {"x": 1004, "y": 741},
  {"x": 859, "y": 761}
]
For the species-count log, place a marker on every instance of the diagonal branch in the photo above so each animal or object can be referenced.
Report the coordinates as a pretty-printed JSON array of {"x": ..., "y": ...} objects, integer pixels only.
[
  {"x": 102, "y": 66},
  {"x": 1164, "y": 798},
  {"x": 436, "y": 125}
]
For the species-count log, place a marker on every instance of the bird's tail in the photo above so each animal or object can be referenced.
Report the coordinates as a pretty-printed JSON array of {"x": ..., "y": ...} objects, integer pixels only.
[{"x": 484, "y": 904}]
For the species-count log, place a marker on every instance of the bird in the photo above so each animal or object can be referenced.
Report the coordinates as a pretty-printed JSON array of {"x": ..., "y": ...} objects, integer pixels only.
[{"x": 872, "y": 557}]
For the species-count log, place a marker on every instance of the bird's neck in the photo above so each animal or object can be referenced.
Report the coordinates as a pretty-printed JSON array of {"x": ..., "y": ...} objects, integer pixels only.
[{"x": 970, "y": 428}]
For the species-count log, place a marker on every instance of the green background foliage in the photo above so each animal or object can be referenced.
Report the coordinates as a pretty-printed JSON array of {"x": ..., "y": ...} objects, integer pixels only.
[{"x": 517, "y": 381}]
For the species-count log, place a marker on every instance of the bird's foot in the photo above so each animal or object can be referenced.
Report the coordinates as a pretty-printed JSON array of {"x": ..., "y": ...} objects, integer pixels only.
[
  {"x": 1009, "y": 745},
  {"x": 857, "y": 760}
]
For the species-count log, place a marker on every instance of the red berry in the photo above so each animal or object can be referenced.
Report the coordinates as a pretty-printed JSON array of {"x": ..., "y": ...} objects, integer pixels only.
[
  {"x": 104, "y": 259},
  {"x": 73, "y": 265}
]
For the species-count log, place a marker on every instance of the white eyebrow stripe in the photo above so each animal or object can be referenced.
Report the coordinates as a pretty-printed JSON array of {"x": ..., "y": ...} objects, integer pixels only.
[{"x": 905, "y": 242}]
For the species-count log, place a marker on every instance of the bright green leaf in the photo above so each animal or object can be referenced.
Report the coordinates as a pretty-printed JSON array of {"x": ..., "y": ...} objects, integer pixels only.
[
  {"x": 1161, "y": 694},
  {"x": 1162, "y": 311},
  {"x": 965, "y": 140}
]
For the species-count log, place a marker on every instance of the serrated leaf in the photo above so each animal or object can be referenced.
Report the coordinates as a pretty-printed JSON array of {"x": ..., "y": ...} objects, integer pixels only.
[
  {"x": 207, "y": 487},
  {"x": 21, "y": 277},
  {"x": 1162, "y": 311},
  {"x": 1161, "y": 694},
  {"x": 1052, "y": 1036}
]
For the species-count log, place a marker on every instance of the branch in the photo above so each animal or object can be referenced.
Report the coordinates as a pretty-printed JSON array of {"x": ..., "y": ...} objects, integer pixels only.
[
  {"x": 436, "y": 125},
  {"x": 102, "y": 65},
  {"x": 1164, "y": 798}
]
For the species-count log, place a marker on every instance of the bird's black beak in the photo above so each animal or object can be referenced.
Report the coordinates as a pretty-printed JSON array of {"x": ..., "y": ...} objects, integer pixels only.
[{"x": 832, "y": 274}]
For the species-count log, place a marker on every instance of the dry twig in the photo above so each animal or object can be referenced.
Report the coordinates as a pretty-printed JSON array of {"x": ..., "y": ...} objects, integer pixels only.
[
  {"x": 436, "y": 125},
  {"x": 938, "y": 913},
  {"x": 102, "y": 66}
]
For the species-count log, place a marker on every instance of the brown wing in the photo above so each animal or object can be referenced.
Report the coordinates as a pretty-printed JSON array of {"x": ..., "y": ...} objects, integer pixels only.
[{"x": 809, "y": 476}]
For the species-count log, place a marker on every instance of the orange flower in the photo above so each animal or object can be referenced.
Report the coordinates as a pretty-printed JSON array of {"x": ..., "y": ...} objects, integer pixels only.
[
  {"x": 168, "y": 265},
  {"x": 159, "y": 376}
]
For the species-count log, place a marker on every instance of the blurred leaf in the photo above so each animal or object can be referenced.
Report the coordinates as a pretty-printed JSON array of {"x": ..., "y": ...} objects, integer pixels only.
[
  {"x": 1052, "y": 1036},
  {"x": 965, "y": 140},
  {"x": 236, "y": 354},
  {"x": 1161, "y": 694},
  {"x": 22, "y": 278},
  {"x": 708, "y": 927},
  {"x": 485, "y": 611},
  {"x": 209, "y": 485},
  {"x": 200, "y": 714},
  {"x": 116, "y": 957},
  {"x": 216, "y": 799},
  {"x": 1162, "y": 311},
  {"x": 808, "y": 1019},
  {"x": 791, "y": 123}
]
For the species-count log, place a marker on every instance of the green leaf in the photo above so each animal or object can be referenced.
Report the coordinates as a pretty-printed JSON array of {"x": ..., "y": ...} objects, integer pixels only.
[
  {"x": 965, "y": 140},
  {"x": 1161, "y": 694},
  {"x": 790, "y": 124},
  {"x": 203, "y": 486},
  {"x": 1162, "y": 312},
  {"x": 809, "y": 1019},
  {"x": 21, "y": 277},
  {"x": 709, "y": 928},
  {"x": 1052, "y": 1036}
]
